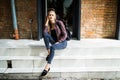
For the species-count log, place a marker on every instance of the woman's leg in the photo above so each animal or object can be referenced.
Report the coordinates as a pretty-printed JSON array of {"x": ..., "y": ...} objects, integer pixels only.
[
  {"x": 48, "y": 39},
  {"x": 54, "y": 47}
]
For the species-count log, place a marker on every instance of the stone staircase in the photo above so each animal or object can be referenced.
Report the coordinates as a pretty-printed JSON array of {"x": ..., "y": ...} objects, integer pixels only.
[{"x": 87, "y": 56}]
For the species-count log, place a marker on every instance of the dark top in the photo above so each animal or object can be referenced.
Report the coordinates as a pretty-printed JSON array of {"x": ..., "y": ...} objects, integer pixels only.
[
  {"x": 53, "y": 34},
  {"x": 58, "y": 31}
]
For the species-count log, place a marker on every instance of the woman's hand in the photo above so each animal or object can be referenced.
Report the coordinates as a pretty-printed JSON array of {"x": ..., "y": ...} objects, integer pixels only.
[
  {"x": 57, "y": 43},
  {"x": 47, "y": 21}
]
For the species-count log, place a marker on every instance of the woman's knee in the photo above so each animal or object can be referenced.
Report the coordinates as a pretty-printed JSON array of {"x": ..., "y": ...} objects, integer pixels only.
[
  {"x": 52, "y": 48},
  {"x": 46, "y": 34}
]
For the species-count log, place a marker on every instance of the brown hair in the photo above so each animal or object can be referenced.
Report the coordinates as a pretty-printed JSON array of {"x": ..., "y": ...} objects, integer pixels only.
[{"x": 49, "y": 10}]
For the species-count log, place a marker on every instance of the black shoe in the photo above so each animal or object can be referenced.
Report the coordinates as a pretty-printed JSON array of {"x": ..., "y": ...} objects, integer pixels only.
[
  {"x": 47, "y": 58},
  {"x": 45, "y": 72}
]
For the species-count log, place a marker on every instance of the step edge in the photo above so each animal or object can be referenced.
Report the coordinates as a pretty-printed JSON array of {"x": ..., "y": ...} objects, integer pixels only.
[
  {"x": 2, "y": 58},
  {"x": 64, "y": 69}
]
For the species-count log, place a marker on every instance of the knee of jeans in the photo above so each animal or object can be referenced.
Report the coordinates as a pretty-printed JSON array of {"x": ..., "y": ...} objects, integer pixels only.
[
  {"x": 52, "y": 48},
  {"x": 45, "y": 34}
]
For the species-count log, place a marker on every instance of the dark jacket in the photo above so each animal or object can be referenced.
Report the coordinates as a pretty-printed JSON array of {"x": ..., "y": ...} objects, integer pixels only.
[{"x": 61, "y": 33}]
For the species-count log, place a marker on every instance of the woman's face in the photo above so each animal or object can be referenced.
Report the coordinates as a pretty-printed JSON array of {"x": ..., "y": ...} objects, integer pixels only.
[{"x": 52, "y": 16}]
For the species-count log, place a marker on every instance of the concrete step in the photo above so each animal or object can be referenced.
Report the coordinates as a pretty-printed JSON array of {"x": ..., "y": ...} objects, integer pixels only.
[
  {"x": 37, "y": 48},
  {"x": 69, "y": 57},
  {"x": 63, "y": 60},
  {"x": 84, "y": 75},
  {"x": 63, "y": 69},
  {"x": 79, "y": 56},
  {"x": 3, "y": 66},
  {"x": 24, "y": 63},
  {"x": 65, "y": 63},
  {"x": 27, "y": 65},
  {"x": 38, "y": 51},
  {"x": 24, "y": 51}
]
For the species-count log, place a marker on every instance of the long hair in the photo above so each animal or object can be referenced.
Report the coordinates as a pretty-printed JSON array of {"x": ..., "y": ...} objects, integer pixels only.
[{"x": 50, "y": 24}]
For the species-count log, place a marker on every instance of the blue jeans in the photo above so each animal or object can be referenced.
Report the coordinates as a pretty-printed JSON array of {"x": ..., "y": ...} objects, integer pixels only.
[{"x": 48, "y": 39}]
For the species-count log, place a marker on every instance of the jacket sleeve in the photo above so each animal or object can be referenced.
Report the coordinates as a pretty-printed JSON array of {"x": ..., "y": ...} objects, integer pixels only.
[
  {"x": 45, "y": 29},
  {"x": 63, "y": 32}
]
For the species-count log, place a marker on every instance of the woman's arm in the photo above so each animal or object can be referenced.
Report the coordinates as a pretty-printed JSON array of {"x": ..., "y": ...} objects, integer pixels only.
[
  {"x": 46, "y": 24},
  {"x": 63, "y": 31},
  {"x": 47, "y": 21}
]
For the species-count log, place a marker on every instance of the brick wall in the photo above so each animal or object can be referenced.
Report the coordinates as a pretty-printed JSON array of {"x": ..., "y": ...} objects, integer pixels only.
[
  {"x": 26, "y": 9},
  {"x": 98, "y": 19},
  {"x": 5, "y": 19}
]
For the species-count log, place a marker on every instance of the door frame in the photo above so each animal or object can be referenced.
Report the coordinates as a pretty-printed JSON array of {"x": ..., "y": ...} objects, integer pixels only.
[
  {"x": 77, "y": 19},
  {"x": 118, "y": 21},
  {"x": 41, "y": 13}
]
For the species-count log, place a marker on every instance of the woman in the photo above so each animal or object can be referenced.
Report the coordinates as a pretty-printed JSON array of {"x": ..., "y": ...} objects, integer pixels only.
[{"x": 54, "y": 34}]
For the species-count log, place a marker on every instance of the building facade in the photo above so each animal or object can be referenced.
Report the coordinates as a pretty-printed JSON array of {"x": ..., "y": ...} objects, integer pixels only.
[{"x": 97, "y": 18}]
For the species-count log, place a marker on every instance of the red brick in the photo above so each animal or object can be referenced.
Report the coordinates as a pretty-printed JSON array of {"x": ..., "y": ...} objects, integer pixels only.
[{"x": 98, "y": 18}]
